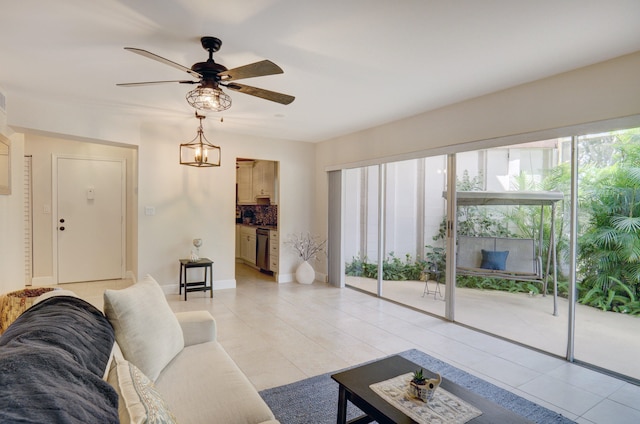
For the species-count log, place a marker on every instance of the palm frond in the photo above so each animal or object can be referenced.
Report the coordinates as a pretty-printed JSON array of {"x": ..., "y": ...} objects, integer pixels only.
[{"x": 628, "y": 224}]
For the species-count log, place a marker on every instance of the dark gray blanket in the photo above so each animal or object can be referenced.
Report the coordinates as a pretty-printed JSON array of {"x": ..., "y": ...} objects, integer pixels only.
[{"x": 52, "y": 359}]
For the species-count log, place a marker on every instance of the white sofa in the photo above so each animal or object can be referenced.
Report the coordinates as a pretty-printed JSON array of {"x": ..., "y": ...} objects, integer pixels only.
[
  {"x": 63, "y": 360},
  {"x": 203, "y": 384},
  {"x": 192, "y": 372}
]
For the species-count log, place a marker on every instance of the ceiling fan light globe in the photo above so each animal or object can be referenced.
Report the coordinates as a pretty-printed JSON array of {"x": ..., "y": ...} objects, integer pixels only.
[{"x": 209, "y": 99}]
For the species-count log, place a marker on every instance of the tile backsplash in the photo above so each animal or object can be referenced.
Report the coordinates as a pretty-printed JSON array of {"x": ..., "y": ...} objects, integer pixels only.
[{"x": 259, "y": 214}]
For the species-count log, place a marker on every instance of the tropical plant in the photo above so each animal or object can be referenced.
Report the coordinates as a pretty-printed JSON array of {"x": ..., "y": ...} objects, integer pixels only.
[
  {"x": 393, "y": 268},
  {"x": 357, "y": 267},
  {"x": 609, "y": 245}
]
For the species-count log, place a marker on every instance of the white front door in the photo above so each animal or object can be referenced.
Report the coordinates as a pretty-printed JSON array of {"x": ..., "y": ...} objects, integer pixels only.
[{"x": 90, "y": 220}]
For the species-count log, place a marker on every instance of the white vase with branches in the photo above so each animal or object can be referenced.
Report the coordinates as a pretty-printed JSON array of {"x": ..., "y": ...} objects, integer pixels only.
[{"x": 307, "y": 247}]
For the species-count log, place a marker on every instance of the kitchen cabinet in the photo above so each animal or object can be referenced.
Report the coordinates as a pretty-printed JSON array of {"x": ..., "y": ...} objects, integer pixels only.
[
  {"x": 248, "y": 244},
  {"x": 238, "y": 241},
  {"x": 256, "y": 179},
  {"x": 263, "y": 178},
  {"x": 244, "y": 179},
  {"x": 274, "y": 250}
]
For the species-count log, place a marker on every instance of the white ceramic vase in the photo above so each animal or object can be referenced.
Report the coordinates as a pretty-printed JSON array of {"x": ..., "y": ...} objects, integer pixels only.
[{"x": 305, "y": 274}]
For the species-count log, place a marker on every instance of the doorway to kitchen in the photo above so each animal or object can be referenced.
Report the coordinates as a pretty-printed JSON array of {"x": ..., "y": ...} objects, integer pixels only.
[{"x": 257, "y": 195}]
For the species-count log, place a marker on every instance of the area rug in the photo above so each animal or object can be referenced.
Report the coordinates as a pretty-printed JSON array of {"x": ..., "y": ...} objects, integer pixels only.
[{"x": 315, "y": 400}]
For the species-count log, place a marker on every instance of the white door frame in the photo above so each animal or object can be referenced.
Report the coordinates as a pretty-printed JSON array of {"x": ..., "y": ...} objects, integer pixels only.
[{"x": 54, "y": 199}]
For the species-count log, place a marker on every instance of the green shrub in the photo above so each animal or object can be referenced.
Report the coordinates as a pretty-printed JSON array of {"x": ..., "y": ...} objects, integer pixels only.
[{"x": 393, "y": 268}]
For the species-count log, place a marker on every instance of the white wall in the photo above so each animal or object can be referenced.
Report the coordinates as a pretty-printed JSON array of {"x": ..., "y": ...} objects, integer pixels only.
[
  {"x": 191, "y": 202},
  {"x": 41, "y": 148},
  {"x": 551, "y": 107},
  {"x": 435, "y": 207},
  {"x": 12, "y": 275},
  {"x": 603, "y": 91}
]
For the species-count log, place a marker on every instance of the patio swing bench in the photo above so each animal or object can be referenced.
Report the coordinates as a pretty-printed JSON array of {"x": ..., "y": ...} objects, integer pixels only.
[
  {"x": 500, "y": 257},
  {"x": 509, "y": 258}
]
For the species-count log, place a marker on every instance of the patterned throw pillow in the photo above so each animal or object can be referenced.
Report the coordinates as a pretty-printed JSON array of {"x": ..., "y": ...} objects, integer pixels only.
[{"x": 139, "y": 402}]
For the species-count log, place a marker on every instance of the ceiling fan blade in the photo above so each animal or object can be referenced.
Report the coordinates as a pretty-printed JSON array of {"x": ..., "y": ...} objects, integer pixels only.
[
  {"x": 136, "y": 84},
  {"x": 284, "y": 99},
  {"x": 258, "y": 69},
  {"x": 163, "y": 60}
]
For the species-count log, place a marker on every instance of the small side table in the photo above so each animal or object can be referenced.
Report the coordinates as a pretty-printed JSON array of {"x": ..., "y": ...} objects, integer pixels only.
[
  {"x": 205, "y": 263},
  {"x": 432, "y": 272}
]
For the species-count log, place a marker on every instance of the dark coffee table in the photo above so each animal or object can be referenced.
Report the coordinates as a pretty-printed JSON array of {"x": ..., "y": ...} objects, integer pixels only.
[{"x": 354, "y": 387}]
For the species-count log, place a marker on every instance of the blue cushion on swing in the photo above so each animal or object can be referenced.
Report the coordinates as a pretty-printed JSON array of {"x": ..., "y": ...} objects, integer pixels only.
[{"x": 496, "y": 260}]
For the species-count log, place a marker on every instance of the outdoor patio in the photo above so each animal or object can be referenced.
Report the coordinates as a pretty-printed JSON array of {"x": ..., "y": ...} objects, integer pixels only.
[{"x": 605, "y": 339}]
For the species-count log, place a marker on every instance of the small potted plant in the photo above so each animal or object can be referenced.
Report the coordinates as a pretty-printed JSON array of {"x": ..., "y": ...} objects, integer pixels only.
[{"x": 423, "y": 388}]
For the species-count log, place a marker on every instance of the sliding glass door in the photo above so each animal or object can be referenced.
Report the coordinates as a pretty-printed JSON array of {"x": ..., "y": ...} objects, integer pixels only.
[
  {"x": 361, "y": 227},
  {"x": 510, "y": 272},
  {"x": 514, "y": 231},
  {"x": 608, "y": 255},
  {"x": 393, "y": 215}
]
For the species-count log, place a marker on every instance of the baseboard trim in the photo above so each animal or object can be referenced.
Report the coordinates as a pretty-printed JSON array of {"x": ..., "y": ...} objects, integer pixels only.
[
  {"x": 285, "y": 278},
  {"x": 49, "y": 280}
]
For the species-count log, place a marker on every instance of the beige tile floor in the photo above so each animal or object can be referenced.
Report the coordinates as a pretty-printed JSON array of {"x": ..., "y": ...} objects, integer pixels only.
[
  {"x": 279, "y": 334},
  {"x": 605, "y": 339}
]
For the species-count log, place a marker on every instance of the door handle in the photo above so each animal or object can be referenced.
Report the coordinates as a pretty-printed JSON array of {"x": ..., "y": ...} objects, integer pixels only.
[{"x": 61, "y": 228}]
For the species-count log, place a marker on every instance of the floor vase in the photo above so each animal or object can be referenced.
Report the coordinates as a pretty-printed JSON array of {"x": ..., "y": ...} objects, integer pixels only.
[{"x": 305, "y": 274}]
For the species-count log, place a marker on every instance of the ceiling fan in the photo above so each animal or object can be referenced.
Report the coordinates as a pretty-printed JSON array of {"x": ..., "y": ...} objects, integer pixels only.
[{"x": 211, "y": 75}]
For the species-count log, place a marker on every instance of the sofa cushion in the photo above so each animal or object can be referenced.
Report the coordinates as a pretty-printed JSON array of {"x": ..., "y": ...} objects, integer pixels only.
[
  {"x": 197, "y": 327},
  {"x": 204, "y": 385},
  {"x": 138, "y": 400},
  {"x": 146, "y": 329}
]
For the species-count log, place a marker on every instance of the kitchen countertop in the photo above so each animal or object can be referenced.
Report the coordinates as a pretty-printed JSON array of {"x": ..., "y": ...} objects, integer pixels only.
[{"x": 268, "y": 227}]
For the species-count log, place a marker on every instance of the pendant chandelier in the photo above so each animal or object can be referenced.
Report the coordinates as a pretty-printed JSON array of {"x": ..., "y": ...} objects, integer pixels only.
[{"x": 199, "y": 152}]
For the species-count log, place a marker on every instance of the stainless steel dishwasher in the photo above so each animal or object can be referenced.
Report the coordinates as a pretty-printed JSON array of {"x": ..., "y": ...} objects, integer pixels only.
[{"x": 262, "y": 249}]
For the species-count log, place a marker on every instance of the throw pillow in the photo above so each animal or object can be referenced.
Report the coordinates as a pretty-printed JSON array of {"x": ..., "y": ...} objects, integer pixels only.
[
  {"x": 496, "y": 260},
  {"x": 146, "y": 328},
  {"x": 138, "y": 399}
]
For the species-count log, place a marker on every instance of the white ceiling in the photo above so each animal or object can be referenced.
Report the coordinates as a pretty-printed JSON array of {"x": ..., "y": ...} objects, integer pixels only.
[{"x": 352, "y": 64}]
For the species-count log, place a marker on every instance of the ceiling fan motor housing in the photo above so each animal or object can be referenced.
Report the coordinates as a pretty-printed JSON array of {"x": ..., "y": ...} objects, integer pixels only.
[{"x": 209, "y": 69}]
